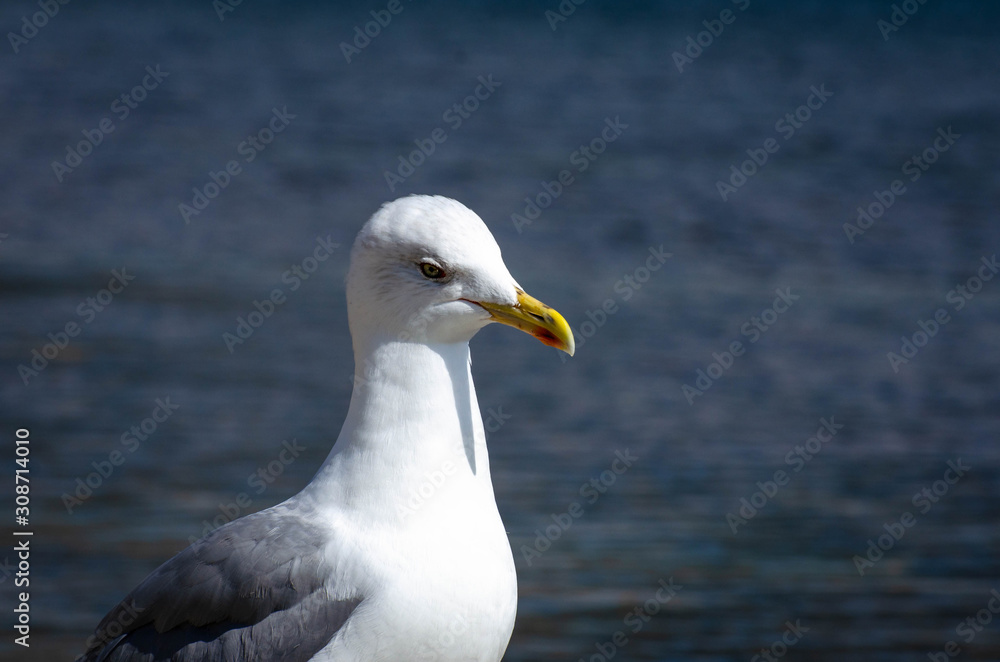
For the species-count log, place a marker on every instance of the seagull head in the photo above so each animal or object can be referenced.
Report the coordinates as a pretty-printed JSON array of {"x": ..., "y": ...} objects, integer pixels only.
[{"x": 427, "y": 269}]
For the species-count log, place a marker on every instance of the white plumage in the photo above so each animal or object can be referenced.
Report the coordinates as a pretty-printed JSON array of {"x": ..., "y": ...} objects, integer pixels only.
[{"x": 395, "y": 550}]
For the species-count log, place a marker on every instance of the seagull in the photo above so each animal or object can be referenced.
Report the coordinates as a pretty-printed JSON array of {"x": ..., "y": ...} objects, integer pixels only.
[{"x": 395, "y": 550}]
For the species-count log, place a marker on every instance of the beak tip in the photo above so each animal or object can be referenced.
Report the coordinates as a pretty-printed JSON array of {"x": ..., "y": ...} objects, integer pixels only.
[{"x": 534, "y": 317}]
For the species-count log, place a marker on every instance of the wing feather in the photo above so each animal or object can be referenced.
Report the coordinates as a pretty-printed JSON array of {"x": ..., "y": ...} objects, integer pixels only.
[{"x": 253, "y": 589}]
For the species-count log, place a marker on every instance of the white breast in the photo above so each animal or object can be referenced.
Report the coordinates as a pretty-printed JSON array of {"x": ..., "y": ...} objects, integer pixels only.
[{"x": 441, "y": 588}]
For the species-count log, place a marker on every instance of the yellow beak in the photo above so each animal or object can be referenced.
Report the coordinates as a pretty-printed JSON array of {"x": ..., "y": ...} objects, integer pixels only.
[{"x": 534, "y": 317}]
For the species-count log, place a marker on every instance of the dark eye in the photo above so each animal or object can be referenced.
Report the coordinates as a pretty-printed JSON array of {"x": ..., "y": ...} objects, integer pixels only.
[{"x": 432, "y": 271}]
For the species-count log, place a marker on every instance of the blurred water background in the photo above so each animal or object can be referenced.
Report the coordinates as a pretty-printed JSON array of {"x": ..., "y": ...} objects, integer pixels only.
[{"x": 552, "y": 91}]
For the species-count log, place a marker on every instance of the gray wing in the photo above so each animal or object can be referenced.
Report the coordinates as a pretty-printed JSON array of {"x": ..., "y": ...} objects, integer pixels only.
[{"x": 251, "y": 590}]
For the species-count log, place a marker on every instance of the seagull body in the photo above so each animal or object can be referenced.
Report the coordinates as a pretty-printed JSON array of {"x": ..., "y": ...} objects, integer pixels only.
[{"x": 395, "y": 550}]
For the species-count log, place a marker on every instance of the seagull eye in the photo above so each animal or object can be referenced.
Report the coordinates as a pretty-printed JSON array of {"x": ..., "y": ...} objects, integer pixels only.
[{"x": 431, "y": 271}]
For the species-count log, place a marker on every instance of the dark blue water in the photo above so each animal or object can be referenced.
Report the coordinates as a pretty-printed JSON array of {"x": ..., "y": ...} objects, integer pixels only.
[{"x": 837, "y": 110}]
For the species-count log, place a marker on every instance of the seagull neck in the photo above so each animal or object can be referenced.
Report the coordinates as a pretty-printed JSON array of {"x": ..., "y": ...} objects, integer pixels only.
[{"x": 413, "y": 413}]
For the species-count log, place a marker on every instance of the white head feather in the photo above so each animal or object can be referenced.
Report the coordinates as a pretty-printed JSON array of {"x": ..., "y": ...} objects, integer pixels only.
[{"x": 388, "y": 292}]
